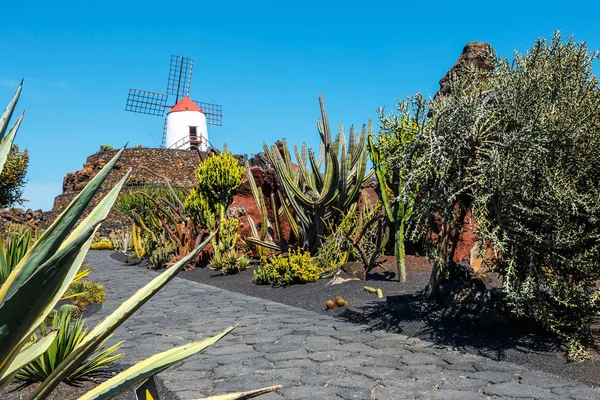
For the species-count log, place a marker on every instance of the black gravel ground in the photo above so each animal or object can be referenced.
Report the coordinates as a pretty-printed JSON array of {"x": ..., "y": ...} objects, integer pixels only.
[{"x": 409, "y": 314}]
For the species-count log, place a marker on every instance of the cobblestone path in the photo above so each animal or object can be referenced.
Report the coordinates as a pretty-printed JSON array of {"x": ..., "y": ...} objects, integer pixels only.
[{"x": 313, "y": 356}]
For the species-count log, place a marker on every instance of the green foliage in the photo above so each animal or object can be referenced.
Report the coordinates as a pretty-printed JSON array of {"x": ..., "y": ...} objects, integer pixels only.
[
  {"x": 226, "y": 259},
  {"x": 520, "y": 152},
  {"x": 357, "y": 237},
  {"x": 12, "y": 178},
  {"x": 84, "y": 293},
  {"x": 138, "y": 146},
  {"x": 218, "y": 176},
  {"x": 284, "y": 270},
  {"x": 106, "y": 147},
  {"x": 398, "y": 135},
  {"x": 538, "y": 197},
  {"x": 14, "y": 244},
  {"x": 316, "y": 197},
  {"x": 71, "y": 330},
  {"x": 163, "y": 255}
]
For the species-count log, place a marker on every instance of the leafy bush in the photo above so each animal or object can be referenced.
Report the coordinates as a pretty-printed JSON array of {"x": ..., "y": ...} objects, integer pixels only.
[
  {"x": 218, "y": 176},
  {"x": 519, "y": 149},
  {"x": 283, "y": 270},
  {"x": 12, "y": 178},
  {"x": 72, "y": 330},
  {"x": 538, "y": 197}
]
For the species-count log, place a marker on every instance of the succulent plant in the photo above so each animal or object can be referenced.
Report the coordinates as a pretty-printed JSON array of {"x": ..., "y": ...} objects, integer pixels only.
[{"x": 318, "y": 194}]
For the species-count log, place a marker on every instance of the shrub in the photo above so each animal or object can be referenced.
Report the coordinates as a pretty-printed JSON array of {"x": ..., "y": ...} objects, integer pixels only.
[
  {"x": 538, "y": 195},
  {"x": 283, "y": 270},
  {"x": 519, "y": 149},
  {"x": 12, "y": 178}
]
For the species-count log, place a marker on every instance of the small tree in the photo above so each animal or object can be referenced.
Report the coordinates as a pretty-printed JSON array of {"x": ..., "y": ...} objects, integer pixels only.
[
  {"x": 12, "y": 178},
  {"x": 537, "y": 198},
  {"x": 520, "y": 150}
]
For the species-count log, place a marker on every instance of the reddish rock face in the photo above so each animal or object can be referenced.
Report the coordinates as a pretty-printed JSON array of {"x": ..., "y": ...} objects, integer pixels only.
[{"x": 474, "y": 54}]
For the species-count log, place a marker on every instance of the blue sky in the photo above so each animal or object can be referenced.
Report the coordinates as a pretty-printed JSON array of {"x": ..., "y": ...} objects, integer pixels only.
[{"x": 264, "y": 62}]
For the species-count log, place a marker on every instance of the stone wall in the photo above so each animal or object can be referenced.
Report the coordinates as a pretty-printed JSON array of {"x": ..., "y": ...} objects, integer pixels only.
[
  {"x": 148, "y": 167},
  {"x": 177, "y": 165}
]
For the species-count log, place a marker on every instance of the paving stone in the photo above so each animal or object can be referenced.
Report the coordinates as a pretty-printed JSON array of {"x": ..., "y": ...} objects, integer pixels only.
[
  {"x": 314, "y": 356},
  {"x": 514, "y": 389}
]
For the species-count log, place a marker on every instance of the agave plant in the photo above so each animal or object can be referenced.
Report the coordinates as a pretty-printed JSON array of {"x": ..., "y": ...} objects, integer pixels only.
[
  {"x": 13, "y": 245},
  {"x": 45, "y": 272},
  {"x": 71, "y": 331}
]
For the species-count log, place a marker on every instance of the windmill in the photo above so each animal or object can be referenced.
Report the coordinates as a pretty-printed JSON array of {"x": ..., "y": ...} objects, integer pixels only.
[{"x": 185, "y": 124}]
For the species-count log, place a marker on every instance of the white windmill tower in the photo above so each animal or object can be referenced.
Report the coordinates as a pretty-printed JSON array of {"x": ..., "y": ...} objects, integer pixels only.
[{"x": 185, "y": 125}]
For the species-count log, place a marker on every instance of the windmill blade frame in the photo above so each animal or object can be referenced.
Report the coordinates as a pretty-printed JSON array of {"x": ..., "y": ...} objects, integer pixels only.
[
  {"x": 213, "y": 112},
  {"x": 180, "y": 77},
  {"x": 144, "y": 102}
]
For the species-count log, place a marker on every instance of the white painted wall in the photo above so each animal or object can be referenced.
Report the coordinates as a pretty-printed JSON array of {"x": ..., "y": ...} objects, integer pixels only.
[{"x": 178, "y": 129}]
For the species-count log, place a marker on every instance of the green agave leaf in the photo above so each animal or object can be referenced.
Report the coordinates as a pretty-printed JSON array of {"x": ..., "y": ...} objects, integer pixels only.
[
  {"x": 149, "y": 367},
  {"x": 98, "y": 214},
  {"x": 112, "y": 322},
  {"x": 25, "y": 356},
  {"x": 243, "y": 395},
  {"x": 7, "y": 141},
  {"x": 53, "y": 237},
  {"x": 19, "y": 312},
  {"x": 7, "y": 115},
  {"x": 52, "y": 264}
]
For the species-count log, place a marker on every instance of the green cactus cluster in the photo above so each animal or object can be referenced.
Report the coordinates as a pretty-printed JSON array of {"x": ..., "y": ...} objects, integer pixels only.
[
  {"x": 284, "y": 270},
  {"x": 218, "y": 176},
  {"x": 163, "y": 254},
  {"x": 226, "y": 258},
  {"x": 397, "y": 135},
  {"x": 319, "y": 189}
]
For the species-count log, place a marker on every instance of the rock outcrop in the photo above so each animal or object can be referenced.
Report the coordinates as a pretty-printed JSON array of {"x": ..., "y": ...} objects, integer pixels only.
[{"x": 474, "y": 55}]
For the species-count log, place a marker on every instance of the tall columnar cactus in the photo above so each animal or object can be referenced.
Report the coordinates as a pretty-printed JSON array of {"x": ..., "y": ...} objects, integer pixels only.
[
  {"x": 398, "y": 134},
  {"x": 319, "y": 194}
]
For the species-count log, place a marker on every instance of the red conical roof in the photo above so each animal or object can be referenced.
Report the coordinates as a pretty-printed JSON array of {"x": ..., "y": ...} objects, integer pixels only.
[{"x": 186, "y": 104}]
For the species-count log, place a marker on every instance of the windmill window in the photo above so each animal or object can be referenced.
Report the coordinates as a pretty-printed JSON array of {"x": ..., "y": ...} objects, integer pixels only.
[{"x": 193, "y": 130}]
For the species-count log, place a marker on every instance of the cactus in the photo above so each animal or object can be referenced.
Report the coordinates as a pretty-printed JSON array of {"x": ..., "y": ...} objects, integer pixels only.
[
  {"x": 397, "y": 210},
  {"x": 139, "y": 242},
  {"x": 263, "y": 243},
  {"x": 318, "y": 197}
]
